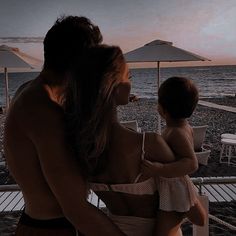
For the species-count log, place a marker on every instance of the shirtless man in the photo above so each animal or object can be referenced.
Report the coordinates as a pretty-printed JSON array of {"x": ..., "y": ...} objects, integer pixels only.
[{"x": 37, "y": 154}]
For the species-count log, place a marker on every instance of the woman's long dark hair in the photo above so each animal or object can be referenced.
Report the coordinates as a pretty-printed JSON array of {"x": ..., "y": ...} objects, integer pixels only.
[{"x": 90, "y": 103}]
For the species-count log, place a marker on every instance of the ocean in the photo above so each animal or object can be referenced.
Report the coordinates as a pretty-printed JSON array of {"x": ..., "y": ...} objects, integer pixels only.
[{"x": 212, "y": 81}]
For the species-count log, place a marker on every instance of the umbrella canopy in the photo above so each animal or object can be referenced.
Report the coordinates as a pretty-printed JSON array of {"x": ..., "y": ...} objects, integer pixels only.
[
  {"x": 161, "y": 51},
  {"x": 14, "y": 58}
]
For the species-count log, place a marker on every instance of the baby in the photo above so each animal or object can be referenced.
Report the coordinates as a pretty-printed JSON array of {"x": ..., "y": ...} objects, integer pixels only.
[{"x": 177, "y": 99}]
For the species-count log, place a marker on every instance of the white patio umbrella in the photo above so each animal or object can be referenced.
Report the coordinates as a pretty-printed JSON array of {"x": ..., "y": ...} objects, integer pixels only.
[
  {"x": 14, "y": 58},
  {"x": 161, "y": 51}
]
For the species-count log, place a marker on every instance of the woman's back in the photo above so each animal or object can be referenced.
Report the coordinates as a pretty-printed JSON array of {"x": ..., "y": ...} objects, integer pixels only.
[
  {"x": 97, "y": 137},
  {"x": 121, "y": 194}
]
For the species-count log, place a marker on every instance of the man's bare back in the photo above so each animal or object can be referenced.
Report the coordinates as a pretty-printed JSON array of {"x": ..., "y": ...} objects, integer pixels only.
[
  {"x": 22, "y": 157},
  {"x": 43, "y": 164}
]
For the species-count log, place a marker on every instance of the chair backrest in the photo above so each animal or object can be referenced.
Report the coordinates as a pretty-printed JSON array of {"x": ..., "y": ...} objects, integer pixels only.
[
  {"x": 199, "y": 133},
  {"x": 228, "y": 136}
]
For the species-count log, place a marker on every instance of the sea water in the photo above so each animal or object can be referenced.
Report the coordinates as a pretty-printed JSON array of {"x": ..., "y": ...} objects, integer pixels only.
[{"x": 212, "y": 81}]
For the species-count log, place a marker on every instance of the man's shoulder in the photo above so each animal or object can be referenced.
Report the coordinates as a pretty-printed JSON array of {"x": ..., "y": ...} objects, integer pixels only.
[
  {"x": 22, "y": 88},
  {"x": 33, "y": 105}
]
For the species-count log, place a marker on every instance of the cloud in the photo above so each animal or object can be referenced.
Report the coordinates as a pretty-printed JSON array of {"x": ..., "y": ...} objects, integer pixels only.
[{"x": 21, "y": 39}]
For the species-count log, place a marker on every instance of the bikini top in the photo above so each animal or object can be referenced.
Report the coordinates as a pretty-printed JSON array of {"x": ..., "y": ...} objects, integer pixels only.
[{"x": 147, "y": 187}]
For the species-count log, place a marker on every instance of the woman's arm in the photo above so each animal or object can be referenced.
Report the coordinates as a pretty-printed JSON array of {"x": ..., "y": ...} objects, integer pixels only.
[
  {"x": 179, "y": 142},
  {"x": 156, "y": 149}
]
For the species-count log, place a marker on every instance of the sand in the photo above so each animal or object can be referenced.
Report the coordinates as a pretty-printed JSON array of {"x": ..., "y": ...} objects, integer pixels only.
[{"x": 218, "y": 121}]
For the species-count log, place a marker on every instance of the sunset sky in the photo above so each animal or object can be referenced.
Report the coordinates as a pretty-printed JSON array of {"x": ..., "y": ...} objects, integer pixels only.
[{"x": 205, "y": 27}]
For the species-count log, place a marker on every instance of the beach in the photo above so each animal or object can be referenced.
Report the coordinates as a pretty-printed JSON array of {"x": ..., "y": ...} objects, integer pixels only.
[{"x": 218, "y": 121}]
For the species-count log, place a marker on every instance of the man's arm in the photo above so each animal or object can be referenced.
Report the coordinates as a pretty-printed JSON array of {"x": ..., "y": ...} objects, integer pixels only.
[{"x": 62, "y": 173}]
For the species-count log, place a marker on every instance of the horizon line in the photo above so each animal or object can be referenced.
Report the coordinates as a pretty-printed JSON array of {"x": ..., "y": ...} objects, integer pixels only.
[
  {"x": 36, "y": 39},
  {"x": 35, "y": 71}
]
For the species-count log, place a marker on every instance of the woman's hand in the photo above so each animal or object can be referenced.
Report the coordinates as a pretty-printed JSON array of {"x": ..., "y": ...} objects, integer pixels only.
[{"x": 150, "y": 169}]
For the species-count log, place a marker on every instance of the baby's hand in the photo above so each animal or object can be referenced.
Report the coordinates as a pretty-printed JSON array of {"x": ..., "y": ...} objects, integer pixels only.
[{"x": 150, "y": 169}]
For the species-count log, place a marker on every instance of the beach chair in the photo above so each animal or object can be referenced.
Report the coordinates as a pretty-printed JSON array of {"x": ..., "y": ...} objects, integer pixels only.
[
  {"x": 228, "y": 136},
  {"x": 131, "y": 124},
  {"x": 202, "y": 150},
  {"x": 228, "y": 149}
]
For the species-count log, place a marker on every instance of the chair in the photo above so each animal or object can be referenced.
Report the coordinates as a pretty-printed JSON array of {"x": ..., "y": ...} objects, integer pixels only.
[
  {"x": 228, "y": 148},
  {"x": 201, "y": 150},
  {"x": 199, "y": 133},
  {"x": 228, "y": 136},
  {"x": 131, "y": 124}
]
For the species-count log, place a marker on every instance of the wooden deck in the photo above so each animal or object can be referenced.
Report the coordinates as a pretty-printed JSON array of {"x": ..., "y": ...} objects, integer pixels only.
[
  {"x": 217, "y": 189},
  {"x": 11, "y": 201},
  {"x": 220, "y": 192}
]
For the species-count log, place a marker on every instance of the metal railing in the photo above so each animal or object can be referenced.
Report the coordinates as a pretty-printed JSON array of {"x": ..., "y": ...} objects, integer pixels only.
[{"x": 199, "y": 181}]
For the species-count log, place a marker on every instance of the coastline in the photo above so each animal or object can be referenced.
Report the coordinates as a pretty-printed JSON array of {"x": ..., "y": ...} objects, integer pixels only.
[{"x": 145, "y": 112}]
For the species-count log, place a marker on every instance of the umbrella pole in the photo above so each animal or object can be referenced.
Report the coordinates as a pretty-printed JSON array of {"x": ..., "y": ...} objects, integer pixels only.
[
  {"x": 158, "y": 86},
  {"x": 158, "y": 75},
  {"x": 6, "y": 88}
]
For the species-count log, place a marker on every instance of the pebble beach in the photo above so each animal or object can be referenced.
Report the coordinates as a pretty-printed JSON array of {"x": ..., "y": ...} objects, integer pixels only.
[{"x": 218, "y": 121}]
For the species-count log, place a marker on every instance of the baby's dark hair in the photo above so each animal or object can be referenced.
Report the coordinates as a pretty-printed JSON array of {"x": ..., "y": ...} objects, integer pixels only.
[{"x": 178, "y": 96}]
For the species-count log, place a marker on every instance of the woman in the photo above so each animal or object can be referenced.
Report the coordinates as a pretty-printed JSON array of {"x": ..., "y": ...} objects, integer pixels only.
[{"x": 110, "y": 154}]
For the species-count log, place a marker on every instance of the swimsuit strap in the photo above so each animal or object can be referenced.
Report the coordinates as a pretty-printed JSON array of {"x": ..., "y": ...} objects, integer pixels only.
[
  {"x": 142, "y": 157},
  {"x": 143, "y": 150}
]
